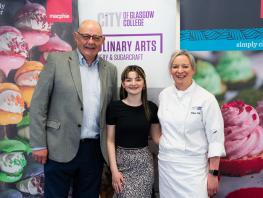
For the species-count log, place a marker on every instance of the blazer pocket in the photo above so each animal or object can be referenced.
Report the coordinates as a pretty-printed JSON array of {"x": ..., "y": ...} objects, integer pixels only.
[{"x": 53, "y": 124}]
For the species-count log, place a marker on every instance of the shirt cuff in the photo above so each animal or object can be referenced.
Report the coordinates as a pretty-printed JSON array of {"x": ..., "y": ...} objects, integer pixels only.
[
  {"x": 38, "y": 148},
  {"x": 216, "y": 149}
]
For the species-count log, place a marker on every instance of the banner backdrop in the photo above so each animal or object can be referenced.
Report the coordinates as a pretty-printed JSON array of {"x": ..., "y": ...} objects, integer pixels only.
[
  {"x": 28, "y": 32},
  {"x": 221, "y": 25},
  {"x": 235, "y": 78},
  {"x": 136, "y": 33}
]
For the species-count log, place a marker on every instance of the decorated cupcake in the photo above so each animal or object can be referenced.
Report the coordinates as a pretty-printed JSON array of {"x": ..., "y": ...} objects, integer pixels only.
[
  {"x": 13, "y": 49},
  {"x": 12, "y": 160},
  {"x": 54, "y": 44},
  {"x": 32, "y": 181},
  {"x": 207, "y": 77},
  {"x": 32, "y": 185},
  {"x": 26, "y": 78},
  {"x": 11, "y": 104},
  {"x": 243, "y": 140},
  {"x": 11, "y": 166},
  {"x": 31, "y": 20},
  {"x": 235, "y": 69}
]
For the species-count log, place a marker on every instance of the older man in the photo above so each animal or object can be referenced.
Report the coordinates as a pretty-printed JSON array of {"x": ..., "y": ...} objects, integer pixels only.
[{"x": 68, "y": 115}]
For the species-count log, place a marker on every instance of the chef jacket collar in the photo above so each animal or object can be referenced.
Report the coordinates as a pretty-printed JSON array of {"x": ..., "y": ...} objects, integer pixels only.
[{"x": 181, "y": 93}]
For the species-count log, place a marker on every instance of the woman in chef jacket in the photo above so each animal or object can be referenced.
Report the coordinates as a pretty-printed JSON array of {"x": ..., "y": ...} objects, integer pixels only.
[{"x": 192, "y": 140}]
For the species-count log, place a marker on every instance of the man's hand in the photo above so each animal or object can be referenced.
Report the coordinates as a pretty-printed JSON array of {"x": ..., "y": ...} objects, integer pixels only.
[{"x": 40, "y": 155}]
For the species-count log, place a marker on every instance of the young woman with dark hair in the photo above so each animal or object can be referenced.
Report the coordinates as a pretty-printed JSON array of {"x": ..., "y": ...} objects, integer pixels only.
[{"x": 129, "y": 123}]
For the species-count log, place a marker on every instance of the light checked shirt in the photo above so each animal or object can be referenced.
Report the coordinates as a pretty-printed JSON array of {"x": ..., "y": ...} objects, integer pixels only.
[{"x": 90, "y": 82}]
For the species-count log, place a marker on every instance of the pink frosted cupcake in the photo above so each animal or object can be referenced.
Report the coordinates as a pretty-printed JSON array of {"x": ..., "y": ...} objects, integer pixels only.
[
  {"x": 54, "y": 44},
  {"x": 243, "y": 140},
  {"x": 13, "y": 49},
  {"x": 32, "y": 21}
]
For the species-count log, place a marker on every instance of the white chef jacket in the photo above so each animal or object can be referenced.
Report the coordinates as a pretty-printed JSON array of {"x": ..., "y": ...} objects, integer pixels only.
[{"x": 191, "y": 122}]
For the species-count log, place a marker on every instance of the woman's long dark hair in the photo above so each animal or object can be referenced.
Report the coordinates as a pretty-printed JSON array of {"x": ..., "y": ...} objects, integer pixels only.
[{"x": 124, "y": 94}]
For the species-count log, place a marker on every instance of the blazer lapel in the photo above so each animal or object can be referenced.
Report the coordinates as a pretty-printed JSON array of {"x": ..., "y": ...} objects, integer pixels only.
[
  {"x": 102, "y": 75},
  {"x": 75, "y": 73}
]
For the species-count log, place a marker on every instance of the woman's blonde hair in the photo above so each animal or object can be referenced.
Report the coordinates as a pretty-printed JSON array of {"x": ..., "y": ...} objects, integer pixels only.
[{"x": 182, "y": 52}]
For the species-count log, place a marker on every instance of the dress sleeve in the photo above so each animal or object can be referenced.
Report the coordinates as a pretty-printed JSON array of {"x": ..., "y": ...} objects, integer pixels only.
[
  {"x": 214, "y": 128},
  {"x": 154, "y": 110},
  {"x": 111, "y": 114}
]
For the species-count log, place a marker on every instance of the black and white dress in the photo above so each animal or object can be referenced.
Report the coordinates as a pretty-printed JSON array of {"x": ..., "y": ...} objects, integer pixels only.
[{"x": 134, "y": 159}]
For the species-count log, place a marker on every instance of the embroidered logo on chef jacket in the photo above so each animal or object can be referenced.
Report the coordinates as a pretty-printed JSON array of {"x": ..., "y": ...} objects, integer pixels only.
[
  {"x": 196, "y": 110},
  {"x": 215, "y": 131}
]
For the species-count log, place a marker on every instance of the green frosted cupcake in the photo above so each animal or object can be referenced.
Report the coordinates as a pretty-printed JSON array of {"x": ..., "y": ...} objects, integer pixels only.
[
  {"x": 207, "y": 77},
  {"x": 12, "y": 165},
  {"x": 235, "y": 70},
  {"x": 12, "y": 160},
  {"x": 250, "y": 96}
]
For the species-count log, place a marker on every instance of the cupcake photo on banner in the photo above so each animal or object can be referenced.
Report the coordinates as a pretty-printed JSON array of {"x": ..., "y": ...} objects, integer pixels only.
[
  {"x": 236, "y": 80},
  {"x": 231, "y": 75},
  {"x": 27, "y": 35}
]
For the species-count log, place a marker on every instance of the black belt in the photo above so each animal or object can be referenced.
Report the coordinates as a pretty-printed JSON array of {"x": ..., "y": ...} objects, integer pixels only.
[{"x": 87, "y": 140}]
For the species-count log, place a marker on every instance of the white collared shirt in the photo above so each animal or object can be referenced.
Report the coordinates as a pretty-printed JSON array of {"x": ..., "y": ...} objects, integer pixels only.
[
  {"x": 90, "y": 82},
  {"x": 191, "y": 122}
]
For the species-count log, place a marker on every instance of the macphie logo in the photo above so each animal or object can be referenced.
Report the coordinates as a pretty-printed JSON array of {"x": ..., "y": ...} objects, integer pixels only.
[
  {"x": 59, "y": 16},
  {"x": 59, "y": 11}
]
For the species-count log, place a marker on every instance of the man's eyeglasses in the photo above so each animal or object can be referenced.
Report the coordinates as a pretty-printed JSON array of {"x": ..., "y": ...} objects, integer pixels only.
[{"x": 87, "y": 37}]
